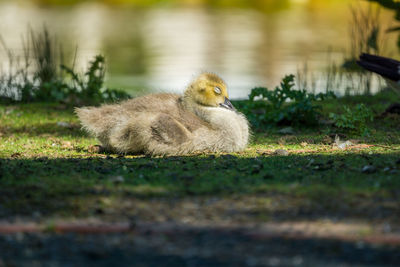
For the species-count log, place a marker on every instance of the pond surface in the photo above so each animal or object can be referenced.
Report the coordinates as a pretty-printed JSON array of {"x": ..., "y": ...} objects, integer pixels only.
[{"x": 162, "y": 48}]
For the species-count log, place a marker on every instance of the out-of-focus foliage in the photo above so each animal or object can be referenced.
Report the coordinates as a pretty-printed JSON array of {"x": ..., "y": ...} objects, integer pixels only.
[
  {"x": 354, "y": 120},
  {"x": 40, "y": 75},
  {"x": 88, "y": 88},
  {"x": 284, "y": 105},
  {"x": 262, "y": 5},
  {"x": 366, "y": 35},
  {"x": 390, "y": 4},
  {"x": 395, "y": 6}
]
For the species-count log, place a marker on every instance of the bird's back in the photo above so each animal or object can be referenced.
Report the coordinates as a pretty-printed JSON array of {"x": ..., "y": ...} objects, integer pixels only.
[
  {"x": 152, "y": 103},
  {"x": 166, "y": 105}
]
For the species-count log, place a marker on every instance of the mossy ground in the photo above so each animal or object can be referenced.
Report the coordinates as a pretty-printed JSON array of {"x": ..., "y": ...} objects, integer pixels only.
[{"x": 47, "y": 170}]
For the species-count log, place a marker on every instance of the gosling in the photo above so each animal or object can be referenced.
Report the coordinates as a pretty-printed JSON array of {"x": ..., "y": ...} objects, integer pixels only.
[{"x": 202, "y": 120}]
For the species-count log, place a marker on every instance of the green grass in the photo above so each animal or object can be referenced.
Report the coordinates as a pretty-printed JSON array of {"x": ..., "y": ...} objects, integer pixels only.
[{"x": 47, "y": 168}]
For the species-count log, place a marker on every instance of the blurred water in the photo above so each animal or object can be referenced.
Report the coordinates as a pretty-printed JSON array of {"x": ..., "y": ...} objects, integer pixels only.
[{"x": 161, "y": 49}]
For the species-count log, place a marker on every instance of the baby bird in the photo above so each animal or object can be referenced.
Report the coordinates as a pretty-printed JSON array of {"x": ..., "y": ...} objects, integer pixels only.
[{"x": 202, "y": 120}]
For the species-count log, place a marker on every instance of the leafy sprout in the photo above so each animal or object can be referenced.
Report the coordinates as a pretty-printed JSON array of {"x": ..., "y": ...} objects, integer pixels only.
[
  {"x": 354, "y": 120},
  {"x": 284, "y": 105}
]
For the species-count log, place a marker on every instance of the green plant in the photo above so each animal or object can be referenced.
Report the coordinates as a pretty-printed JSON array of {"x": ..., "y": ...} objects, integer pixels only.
[
  {"x": 88, "y": 88},
  {"x": 47, "y": 55},
  {"x": 284, "y": 105},
  {"x": 40, "y": 75},
  {"x": 30, "y": 74},
  {"x": 354, "y": 120}
]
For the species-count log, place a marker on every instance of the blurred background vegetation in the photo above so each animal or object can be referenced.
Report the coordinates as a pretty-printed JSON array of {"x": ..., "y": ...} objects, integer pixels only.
[
  {"x": 75, "y": 51},
  {"x": 268, "y": 5}
]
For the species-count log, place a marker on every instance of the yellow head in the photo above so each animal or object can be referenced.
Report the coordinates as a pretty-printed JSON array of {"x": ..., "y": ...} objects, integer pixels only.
[{"x": 209, "y": 90}]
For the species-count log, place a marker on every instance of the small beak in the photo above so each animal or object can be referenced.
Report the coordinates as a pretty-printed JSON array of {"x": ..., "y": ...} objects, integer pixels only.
[{"x": 227, "y": 104}]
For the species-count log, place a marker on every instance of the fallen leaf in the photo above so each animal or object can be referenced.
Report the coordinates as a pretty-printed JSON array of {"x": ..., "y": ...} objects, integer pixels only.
[{"x": 342, "y": 144}]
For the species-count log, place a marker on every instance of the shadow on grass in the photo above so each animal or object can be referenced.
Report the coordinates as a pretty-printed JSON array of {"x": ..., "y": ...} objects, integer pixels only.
[
  {"x": 276, "y": 187},
  {"x": 197, "y": 246},
  {"x": 207, "y": 189}
]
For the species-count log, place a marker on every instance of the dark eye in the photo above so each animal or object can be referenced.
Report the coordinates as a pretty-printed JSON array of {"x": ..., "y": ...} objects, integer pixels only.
[{"x": 217, "y": 90}]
